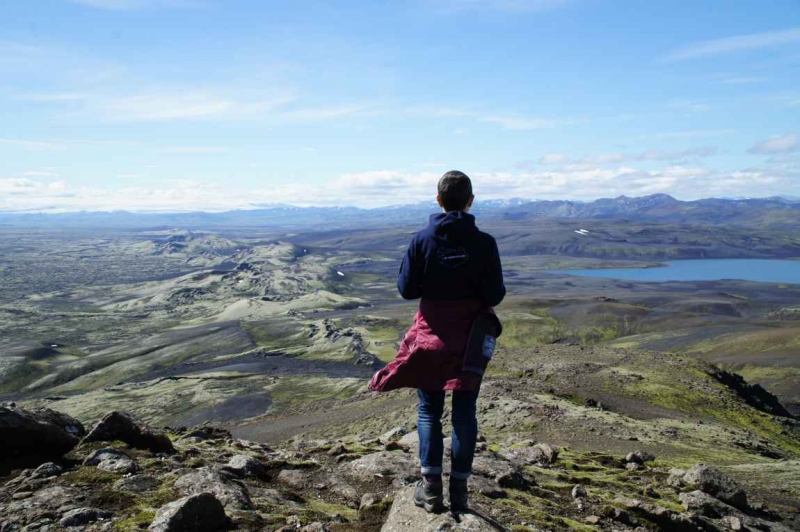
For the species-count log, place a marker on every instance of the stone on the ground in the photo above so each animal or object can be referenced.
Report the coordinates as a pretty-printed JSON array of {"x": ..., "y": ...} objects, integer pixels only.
[
  {"x": 316, "y": 526},
  {"x": 83, "y": 516},
  {"x": 393, "y": 434},
  {"x": 46, "y": 470},
  {"x": 137, "y": 484},
  {"x": 487, "y": 487},
  {"x": 711, "y": 480},
  {"x": 39, "y": 432},
  {"x": 195, "y": 513},
  {"x": 732, "y": 523},
  {"x": 540, "y": 454},
  {"x": 47, "y": 500},
  {"x": 121, "y": 426},
  {"x": 404, "y": 516},
  {"x": 339, "y": 487},
  {"x": 410, "y": 440},
  {"x": 369, "y": 499},
  {"x": 224, "y": 488},
  {"x": 505, "y": 473},
  {"x": 246, "y": 466},
  {"x": 398, "y": 468},
  {"x": 640, "y": 457},
  {"x": 578, "y": 492},
  {"x": 294, "y": 478},
  {"x": 112, "y": 460},
  {"x": 204, "y": 433},
  {"x": 337, "y": 450},
  {"x": 372, "y": 507},
  {"x": 706, "y": 505},
  {"x": 675, "y": 478}
]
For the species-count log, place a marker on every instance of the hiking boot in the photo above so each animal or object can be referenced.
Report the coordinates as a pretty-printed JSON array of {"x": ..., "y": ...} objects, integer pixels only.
[
  {"x": 459, "y": 494},
  {"x": 429, "y": 495}
]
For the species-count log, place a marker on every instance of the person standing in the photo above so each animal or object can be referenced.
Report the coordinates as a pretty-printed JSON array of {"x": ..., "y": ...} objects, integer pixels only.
[{"x": 455, "y": 271}]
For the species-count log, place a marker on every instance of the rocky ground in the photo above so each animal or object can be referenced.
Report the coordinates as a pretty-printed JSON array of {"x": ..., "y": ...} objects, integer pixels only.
[{"x": 124, "y": 476}]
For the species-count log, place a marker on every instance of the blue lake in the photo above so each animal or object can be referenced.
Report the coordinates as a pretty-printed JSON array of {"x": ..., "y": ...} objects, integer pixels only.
[{"x": 761, "y": 270}]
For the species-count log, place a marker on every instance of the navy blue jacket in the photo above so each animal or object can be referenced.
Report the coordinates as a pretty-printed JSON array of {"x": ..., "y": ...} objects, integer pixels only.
[{"x": 451, "y": 259}]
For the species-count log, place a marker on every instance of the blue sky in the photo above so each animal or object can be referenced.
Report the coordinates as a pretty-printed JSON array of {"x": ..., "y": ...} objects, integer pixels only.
[{"x": 172, "y": 105}]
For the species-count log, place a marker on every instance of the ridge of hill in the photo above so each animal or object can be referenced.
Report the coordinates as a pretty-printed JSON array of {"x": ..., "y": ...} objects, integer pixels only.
[{"x": 773, "y": 212}]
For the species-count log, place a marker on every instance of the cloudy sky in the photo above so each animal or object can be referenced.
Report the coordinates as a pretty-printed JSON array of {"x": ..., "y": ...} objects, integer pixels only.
[{"x": 173, "y": 105}]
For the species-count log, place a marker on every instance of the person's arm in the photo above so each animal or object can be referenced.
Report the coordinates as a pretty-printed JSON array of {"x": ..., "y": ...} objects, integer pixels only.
[
  {"x": 409, "y": 280},
  {"x": 493, "y": 288}
]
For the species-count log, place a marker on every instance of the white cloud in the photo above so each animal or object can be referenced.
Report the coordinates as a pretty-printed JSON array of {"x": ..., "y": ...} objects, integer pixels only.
[
  {"x": 33, "y": 145},
  {"x": 40, "y": 173},
  {"x": 604, "y": 159},
  {"x": 752, "y": 41},
  {"x": 172, "y": 103},
  {"x": 390, "y": 187},
  {"x": 696, "y": 133},
  {"x": 691, "y": 153},
  {"x": 329, "y": 112},
  {"x": 778, "y": 144},
  {"x": 553, "y": 158},
  {"x": 518, "y": 123}
]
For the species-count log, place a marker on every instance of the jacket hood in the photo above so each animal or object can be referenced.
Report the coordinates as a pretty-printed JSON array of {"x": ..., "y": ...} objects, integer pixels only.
[{"x": 455, "y": 225}]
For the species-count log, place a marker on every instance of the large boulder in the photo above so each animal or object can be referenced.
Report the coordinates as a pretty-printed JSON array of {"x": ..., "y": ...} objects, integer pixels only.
[
  {"x": 396, "y": 467},
  {"x": 49, "y": 500},
  {"x": 137, "y": 484},
  {"x": 37, "y": 433},
  {"x": 504, "y": 473},
  {"x": 121, "y": 426},
  {"x": 224, "y": 487},
  {"x": 706, "y": 505},
  {"x": 539, "y": 454},
  {"x": 246, "y": 466},
  {"x": 112, "y": 461},
  {"x": 405, "y": 516},
  {"x": 195, "y": 513},
  {"x": 711, "y": 480},
  {"x": 83, "y": 516}
]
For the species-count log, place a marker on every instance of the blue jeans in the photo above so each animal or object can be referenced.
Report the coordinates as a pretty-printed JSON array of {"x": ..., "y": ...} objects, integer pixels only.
[{"x": 465, "y": 432}]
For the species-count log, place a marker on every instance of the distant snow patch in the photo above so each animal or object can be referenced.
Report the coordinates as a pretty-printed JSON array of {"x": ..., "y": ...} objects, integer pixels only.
[
  {"x": 340, "y": 274},
  {"x": 583, "y": 232}
]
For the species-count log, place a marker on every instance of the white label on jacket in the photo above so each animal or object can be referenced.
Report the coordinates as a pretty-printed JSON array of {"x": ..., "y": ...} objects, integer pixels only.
[{"x": 488, "y": 346}]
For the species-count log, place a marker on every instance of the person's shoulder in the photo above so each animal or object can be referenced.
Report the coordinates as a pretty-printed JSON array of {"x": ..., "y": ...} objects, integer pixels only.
[{"x": 484, "y": 238}]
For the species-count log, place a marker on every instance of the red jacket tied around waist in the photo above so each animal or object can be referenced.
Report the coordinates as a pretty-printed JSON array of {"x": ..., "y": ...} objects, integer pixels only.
[{"x": 431, "y": 356}]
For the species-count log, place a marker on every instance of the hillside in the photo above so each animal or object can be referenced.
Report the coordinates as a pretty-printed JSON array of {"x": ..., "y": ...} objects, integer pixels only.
[
  {"x": 250, "y": 350},
  {"x": 573, "y": 438}
]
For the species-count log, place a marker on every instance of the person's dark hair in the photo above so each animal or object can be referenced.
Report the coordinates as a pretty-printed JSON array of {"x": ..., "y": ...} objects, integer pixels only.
[{"x": 455, "y": 190}]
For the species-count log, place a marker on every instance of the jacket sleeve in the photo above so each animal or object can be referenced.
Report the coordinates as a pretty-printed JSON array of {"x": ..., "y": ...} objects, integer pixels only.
[
  {"x": 409, "y": 280},
  {"x": 493, "y": 288}
]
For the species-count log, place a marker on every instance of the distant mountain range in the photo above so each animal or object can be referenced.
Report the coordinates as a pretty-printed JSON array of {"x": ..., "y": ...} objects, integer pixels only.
[{"x": 765, "y": 213}]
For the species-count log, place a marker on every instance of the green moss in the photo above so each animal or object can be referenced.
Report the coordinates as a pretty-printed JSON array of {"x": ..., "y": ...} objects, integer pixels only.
[
  {"x": 328, "y": 510},
  {"x": 135, "y": 522},
  {"x": 376, "y": 511},
  {"x": 90, "y": 476},
  {"x": 575, "y": 525}
]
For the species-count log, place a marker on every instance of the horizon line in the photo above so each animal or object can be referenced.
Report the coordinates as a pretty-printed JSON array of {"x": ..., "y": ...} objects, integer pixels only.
[{"x": 266, "y": 206}]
